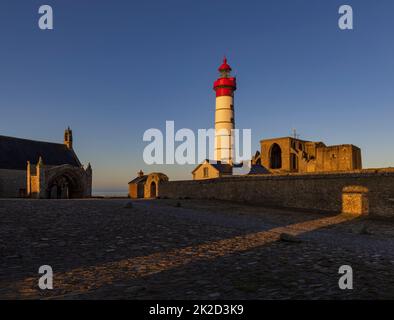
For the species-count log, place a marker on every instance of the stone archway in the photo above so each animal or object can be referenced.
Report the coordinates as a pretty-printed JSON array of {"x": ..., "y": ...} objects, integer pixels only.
[
  {"x": 275, "y": 157},
  {"x": 59, "y": 188},
  {"x": 153, "y": 190},
  {"x": 152, "y": 185},
  {"x": 64, "y": 183}
]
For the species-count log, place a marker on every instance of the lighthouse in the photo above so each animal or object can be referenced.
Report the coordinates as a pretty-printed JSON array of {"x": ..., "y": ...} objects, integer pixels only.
[{"x": 224, "y": 87}]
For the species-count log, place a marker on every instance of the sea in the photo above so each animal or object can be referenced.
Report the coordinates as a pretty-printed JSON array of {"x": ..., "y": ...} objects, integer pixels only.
[{"x": 110, "y": 193}]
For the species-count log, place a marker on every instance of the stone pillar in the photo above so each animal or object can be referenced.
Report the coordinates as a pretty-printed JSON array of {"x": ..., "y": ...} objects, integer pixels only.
[
  {"x": 355, "y": 200},
  {"x": 89, "y": 174},
  {"x": 41, "y": 190},
  {"x": 28, "y": 182}
]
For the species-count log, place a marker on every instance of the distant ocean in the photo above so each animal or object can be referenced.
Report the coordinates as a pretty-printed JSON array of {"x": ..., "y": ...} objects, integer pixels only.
[{"x": 116, "y": 193}]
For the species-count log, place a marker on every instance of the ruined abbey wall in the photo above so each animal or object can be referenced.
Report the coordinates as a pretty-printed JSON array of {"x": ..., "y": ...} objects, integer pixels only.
[
  {"x": 285, "y": 155},
  {"x": 337, "y": 158},
  {"x": 309, "y": 191}
]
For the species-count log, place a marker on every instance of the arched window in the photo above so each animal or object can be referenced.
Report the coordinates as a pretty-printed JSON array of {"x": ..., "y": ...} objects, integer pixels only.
[{"x": 275, "y": 157}]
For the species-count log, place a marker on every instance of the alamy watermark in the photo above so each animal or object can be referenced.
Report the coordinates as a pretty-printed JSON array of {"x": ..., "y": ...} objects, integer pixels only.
[
  {"x": 45, "y": 22},
  {"x": 194, "y": 148},
  {"x": 345, "y": 21},
  {"x": 346, "y": 281},
  {"x": 45, "y": 282}
]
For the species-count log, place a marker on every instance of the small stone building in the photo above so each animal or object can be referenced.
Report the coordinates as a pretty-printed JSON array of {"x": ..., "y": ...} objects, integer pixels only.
[
  {"x": 217, "y": 169},
  {"x": 287, "y": 154},
  {"x": 42, "y": 170},
  {"x": 211, "y": 170},
  {"x": 146, "y": 186}
]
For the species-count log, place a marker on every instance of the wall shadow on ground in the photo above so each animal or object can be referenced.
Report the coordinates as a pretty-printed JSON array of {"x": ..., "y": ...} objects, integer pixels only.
[{"x": 85, "y": 279}]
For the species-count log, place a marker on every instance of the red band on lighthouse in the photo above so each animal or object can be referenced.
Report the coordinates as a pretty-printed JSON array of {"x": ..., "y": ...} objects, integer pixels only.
[{"x": 225, "y": 85}]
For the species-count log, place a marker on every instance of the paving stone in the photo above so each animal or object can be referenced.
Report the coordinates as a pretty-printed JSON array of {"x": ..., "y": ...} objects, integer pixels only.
[
  {"x": 210, "y": 249},
  {"x": 289, "y": 238}
]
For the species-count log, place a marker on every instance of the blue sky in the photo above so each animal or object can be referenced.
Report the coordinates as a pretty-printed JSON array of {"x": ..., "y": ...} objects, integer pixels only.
[{"x": 113, "y": 69}]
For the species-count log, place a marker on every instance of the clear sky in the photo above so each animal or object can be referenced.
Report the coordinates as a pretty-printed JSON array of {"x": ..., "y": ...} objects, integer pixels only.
[{"x": 113, "y": 69}]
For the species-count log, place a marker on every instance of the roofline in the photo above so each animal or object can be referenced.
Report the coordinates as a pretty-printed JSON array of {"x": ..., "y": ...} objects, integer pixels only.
[
  {"x": 206, "y": 161},
  {"x": 74, "y": 154},
  {"x": 79, "y": 163},
  {"x": 342, "y": 145},
  {"x": 24, "y": 139},
  {"x": 287, "y": 137},
  {"x": 144, "y": 176},
  {"x": 325, "y": 146}
]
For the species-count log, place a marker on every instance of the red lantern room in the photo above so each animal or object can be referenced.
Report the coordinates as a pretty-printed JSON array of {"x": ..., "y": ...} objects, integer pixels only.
[{"x": 225, "y": 85}]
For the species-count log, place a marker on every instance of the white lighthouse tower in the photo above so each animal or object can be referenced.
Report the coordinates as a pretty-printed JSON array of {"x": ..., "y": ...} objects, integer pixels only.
[{"x": 224, "y": 114}]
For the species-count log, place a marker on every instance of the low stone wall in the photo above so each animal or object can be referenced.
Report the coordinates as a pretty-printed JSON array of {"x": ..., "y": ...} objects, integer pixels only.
[
  {"x": 12, "y": 182},
  {"x": 313, "y": 191}
]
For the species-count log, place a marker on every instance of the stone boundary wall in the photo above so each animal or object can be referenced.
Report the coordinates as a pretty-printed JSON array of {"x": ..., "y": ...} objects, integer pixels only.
[{"x": 310, "y": 191}]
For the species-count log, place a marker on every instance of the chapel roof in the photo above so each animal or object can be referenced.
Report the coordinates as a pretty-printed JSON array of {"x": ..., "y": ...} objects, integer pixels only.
[
  {"x": 15, "y": 152},
  {"x": 139, "y": 179}
]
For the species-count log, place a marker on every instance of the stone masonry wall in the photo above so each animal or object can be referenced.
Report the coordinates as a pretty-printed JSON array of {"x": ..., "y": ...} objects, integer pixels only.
[
  {"x": 310, "y": 191},
  {"x": 11, "y": 182},
  {"x": 335, "y": 158}
]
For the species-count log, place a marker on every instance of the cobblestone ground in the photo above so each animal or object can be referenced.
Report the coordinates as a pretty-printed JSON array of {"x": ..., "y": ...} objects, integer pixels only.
[{"x": 166, "y": 249}]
